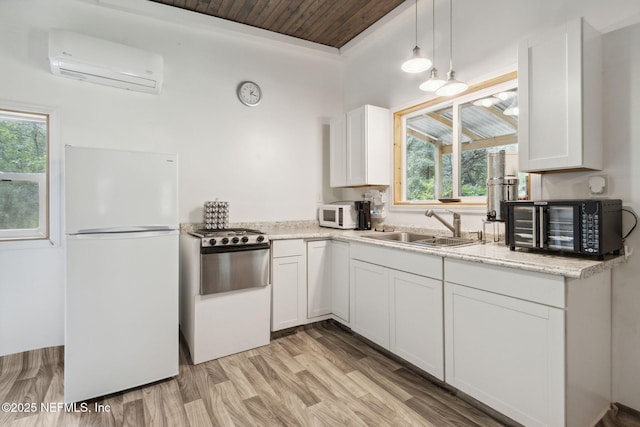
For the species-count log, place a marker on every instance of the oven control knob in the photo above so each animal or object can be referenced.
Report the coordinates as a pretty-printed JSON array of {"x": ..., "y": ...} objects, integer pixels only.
[
  {"x": 235, "y": 240},
  {"x": 212, "y": 242},
  {"x": 225, "y": 241},
  {"x": 260, "y": 238},
  {"x": 245, "y": 239}
]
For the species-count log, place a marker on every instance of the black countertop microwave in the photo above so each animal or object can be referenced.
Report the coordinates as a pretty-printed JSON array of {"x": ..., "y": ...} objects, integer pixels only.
[{"x": 586, "y": 227}]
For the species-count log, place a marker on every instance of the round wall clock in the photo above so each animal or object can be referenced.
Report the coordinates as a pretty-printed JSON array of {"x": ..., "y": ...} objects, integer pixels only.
[{"x": 249, "y": 93}]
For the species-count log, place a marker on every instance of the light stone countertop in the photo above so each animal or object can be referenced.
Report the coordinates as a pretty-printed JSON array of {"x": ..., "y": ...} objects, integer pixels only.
[{"x": 490, "y": 253}]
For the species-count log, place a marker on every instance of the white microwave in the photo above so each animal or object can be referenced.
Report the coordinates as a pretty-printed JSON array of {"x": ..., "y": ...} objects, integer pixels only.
[{"x": 337, "y": 216}]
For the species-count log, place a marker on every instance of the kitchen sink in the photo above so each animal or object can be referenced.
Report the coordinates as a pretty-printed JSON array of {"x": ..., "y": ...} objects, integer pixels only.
[
  {"x": 445, "y": 241},
  {"x": 401, "y": 236},
  {"x": 421, "y": 239}
]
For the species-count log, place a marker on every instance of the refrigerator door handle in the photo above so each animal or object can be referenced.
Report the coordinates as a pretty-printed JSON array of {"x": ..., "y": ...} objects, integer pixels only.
[
  {"x": 121, "y": 236},
  {"x": 132, "y": 229}
]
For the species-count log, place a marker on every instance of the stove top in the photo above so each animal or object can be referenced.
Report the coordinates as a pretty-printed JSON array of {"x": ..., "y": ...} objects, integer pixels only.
[{"x": 230, "y": 237}]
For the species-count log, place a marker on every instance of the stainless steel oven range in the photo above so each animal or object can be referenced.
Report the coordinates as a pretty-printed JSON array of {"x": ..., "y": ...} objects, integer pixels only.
[
  {"x": 225, "y": 295},
  {"x": 232, "y": 259}
]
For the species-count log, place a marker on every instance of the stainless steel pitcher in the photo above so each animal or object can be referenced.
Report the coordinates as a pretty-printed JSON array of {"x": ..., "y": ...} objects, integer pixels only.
[{"x": 500, "y": 187}]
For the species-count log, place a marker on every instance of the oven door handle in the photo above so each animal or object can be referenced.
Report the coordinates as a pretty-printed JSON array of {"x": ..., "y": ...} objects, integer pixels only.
[
  {"x": 542, "y": 227},
  {"x": 233, "y": 248}
]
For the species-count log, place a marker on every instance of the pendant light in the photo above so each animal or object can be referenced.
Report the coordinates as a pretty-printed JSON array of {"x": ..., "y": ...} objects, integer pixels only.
[
  {"x": 512, "y": 109},
  {"x": 434, "y": 83},
  {"x": 416, "y": 62},
  {"x": 452, "y": 86}
]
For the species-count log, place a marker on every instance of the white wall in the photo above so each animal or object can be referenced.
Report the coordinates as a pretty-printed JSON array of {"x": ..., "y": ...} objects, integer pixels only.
[
  {"x": 31, "y": 299},
  {"x": 485, "y": 44},
  {"x": 266, "y": 161}
]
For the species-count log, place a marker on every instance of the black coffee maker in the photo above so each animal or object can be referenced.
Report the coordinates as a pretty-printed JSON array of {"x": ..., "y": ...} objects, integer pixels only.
[{"x": 363, "y": 215}]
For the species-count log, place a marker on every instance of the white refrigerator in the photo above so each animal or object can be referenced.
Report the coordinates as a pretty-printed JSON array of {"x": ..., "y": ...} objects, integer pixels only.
[{"x": 121, "y": 296}]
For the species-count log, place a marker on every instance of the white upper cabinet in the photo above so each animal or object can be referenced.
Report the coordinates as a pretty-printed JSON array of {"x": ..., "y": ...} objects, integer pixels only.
[
  {"x": 560, "y": 100},
  {"x": 360, "y": 148},
  {"x": 338, "y": 152}
]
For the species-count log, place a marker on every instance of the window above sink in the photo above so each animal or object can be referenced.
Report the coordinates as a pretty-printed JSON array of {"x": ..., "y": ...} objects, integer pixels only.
[{"x": 441, "y": 146}]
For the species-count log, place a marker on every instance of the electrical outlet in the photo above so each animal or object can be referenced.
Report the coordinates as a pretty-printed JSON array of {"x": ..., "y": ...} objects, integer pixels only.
[{"x": 597, "y": 185}]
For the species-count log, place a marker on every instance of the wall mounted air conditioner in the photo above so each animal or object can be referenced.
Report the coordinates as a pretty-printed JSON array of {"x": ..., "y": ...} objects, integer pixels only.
[{"x": 100, "y": 61}]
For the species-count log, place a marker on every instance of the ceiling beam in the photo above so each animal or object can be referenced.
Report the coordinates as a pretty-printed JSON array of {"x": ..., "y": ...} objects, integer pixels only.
[
  {"x": 497, "y": 113},
  {"x": 435, "y": 115},
  {"x": 479, "y": 144},
  {"x": 424, "y": 137}
]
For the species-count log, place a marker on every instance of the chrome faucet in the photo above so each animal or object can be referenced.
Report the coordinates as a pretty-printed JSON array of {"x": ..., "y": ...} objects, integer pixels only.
[{"x": 455, "y": 228}]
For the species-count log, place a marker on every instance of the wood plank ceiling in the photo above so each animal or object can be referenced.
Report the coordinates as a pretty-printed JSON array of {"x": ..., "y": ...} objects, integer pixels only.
[{"x": 329, "y": 22}]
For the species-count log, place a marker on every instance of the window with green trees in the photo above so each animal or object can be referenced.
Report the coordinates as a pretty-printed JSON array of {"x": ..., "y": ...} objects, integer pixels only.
[
  {"x": 23, "y": 175},
  {"x": 442, "y": 152}
]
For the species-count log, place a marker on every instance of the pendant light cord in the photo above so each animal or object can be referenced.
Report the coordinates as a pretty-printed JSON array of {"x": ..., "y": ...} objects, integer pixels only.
[
  {"x": 450, "y": 34},
  {"x": 433, "y": 29},
  {"x": 416, "y": 22}
]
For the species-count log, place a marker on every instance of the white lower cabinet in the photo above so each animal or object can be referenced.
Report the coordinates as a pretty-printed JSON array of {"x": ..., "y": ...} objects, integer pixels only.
[
  {"x": 340, "y": 281},
  {"x": 535, "y": 347},
  {"x": 289, "y": 284},
  {"x": 395, "y": 305},
  {"x": 319, "y": 278},
  {"x": 416, "y": 328},
  {"x": 507, "y": 353},
  {"x": 310, "y": 282},
  {"x": 370, "y": 301}
]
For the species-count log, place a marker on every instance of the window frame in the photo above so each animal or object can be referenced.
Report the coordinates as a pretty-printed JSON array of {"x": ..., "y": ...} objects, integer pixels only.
[
  {"x": 41, "y": 232},
  {"x": 503, "y": 82},
  {"x": 48, "y": 234}
]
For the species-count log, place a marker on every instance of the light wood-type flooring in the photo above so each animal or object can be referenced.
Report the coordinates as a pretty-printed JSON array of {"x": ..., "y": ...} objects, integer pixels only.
[{"x": 320, "y": 376}]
